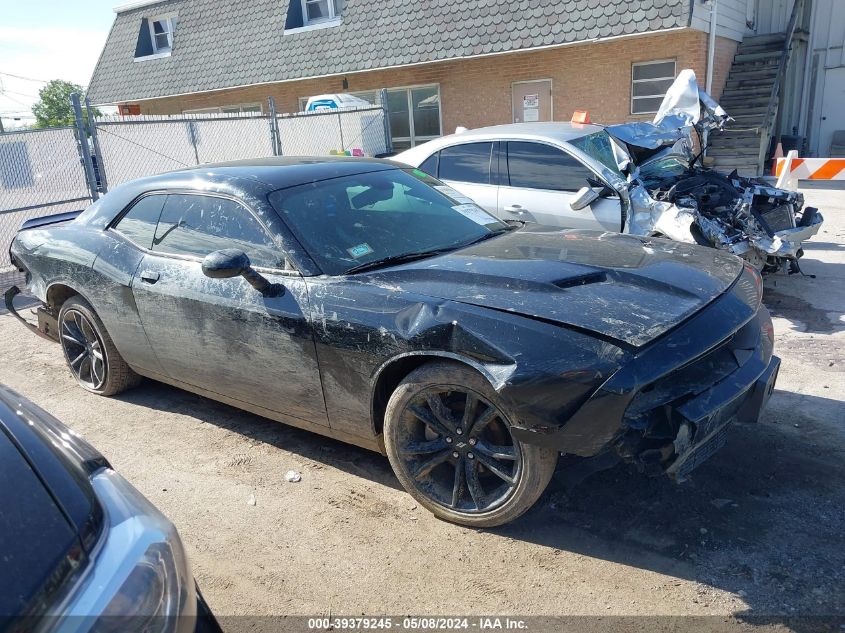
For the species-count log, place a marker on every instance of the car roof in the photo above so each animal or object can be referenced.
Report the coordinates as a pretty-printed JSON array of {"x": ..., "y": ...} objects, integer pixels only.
[
  {"x": 279, "y": 172},
  {"x": 557, "y": 130}
]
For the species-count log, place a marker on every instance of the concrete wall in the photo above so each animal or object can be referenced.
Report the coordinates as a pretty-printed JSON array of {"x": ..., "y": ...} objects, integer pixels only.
[{"x": 477, "y": 91}]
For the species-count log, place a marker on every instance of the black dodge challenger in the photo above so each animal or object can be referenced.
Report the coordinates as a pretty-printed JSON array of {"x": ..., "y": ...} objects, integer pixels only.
[{"x": 369, "y": 302}]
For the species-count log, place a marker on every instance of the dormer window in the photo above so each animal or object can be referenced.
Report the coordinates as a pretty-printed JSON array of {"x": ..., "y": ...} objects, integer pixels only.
[
  {"x": 161, "y": 32},
  {"x": 309, "y": 15},
  {"x": 315, "y": 11}
]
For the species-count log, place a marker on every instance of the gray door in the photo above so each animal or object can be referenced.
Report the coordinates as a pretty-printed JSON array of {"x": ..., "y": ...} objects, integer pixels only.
[
  {"x": 221, "y": 334},
  {"x": 532, "y": 101}
]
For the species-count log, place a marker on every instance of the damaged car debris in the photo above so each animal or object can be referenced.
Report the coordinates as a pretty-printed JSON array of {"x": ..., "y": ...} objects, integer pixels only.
[
  {"x": 368, "y": 302},
  {"x": 686, "y": 202},
  {"x": 643, "y": 178}
]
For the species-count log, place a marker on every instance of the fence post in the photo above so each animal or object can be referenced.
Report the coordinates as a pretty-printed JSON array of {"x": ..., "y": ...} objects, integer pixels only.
[
  {"x": 275, "y": 140},
  {"x": 388, "y": 138},
  {"x": 340, "y": 129},
  {"x": 192, "y": 134},
  {"x": 84, "y": 149},
  {"x": 92, "y": 127}
]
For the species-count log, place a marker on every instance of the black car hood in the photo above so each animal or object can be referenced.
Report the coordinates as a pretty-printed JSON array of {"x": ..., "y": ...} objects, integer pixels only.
[{"x": 626, "y": 288}]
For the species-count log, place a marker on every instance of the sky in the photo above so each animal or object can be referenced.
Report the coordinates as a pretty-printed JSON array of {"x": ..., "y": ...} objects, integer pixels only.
[{"x": 44, "y": 40}]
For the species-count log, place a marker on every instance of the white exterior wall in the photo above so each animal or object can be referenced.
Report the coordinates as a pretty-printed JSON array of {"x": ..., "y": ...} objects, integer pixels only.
[
  {"x": 731, "y": 17},
  {"x": 825, "y": 75},
  {"x": 771, "y": 16}
]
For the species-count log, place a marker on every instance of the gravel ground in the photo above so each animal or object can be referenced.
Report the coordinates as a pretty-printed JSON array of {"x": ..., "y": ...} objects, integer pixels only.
[{"x": 758, "y": 531}]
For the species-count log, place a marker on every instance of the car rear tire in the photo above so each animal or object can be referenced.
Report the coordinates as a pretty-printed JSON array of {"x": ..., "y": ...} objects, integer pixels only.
[
  {"x": 448, "y": 439},
  {"x": 90, "y": 352}
]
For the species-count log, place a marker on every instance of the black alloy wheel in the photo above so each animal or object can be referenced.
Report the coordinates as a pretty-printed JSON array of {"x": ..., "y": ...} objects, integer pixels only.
[{"x": 83, "y": 349}]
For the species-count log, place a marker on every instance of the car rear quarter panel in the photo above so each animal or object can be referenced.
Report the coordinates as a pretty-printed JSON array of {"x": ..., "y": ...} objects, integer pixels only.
[{"x": 96, "y": 264}]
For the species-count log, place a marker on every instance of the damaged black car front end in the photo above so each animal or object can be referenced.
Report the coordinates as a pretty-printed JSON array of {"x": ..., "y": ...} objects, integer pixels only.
[
  {"x": 669, "y": 407},
  {"x": 670, "y": 193}
]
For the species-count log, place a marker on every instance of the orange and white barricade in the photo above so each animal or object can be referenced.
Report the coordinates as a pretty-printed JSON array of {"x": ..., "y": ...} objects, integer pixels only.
[{"x": 791, "y": 169}]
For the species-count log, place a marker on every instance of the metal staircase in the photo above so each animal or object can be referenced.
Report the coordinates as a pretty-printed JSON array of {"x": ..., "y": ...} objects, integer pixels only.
[{"x": 752, "y": 92}]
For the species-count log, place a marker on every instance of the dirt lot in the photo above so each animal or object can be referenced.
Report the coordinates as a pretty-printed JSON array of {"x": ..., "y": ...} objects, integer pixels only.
[{"x": 759, "y": 530}]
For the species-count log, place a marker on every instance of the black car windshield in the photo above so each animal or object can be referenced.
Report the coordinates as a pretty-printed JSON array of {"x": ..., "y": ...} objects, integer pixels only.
[{"x": 348, "y": 222}]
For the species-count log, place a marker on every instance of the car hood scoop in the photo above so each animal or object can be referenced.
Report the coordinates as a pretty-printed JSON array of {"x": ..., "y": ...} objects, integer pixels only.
[{"x": 626, "y": 288}]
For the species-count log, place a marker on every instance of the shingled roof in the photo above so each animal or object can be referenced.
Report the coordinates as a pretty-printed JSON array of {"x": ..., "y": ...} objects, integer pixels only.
[{"x": 227, "y": 43}]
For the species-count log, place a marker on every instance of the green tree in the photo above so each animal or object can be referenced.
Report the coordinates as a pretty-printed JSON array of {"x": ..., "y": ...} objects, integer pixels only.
[{"x": 54, "y": 107}]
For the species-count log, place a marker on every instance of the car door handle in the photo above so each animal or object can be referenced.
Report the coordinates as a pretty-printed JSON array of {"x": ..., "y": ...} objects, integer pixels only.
[
  {"x": 515, "y": 208},
  {"x": 150, "y": 276}
]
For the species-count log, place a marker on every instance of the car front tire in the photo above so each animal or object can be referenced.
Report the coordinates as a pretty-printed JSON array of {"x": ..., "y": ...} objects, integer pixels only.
[
  {"x": 449, "y": 441},
  {"x": 90, "y": 352}
]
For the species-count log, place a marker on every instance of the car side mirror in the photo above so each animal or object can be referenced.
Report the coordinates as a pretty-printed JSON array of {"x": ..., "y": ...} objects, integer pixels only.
[
  {"x": 584, "y": 198},
  {"x": 231, "y": 262}
]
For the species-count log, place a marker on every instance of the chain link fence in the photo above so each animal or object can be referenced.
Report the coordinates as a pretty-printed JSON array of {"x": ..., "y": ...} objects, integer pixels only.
[
  {"x": 43, "y": 172},
  {"x": 40, "y": 174},
  {"x": 363, "y": 131},
  {"x": 147, "y": 145}
]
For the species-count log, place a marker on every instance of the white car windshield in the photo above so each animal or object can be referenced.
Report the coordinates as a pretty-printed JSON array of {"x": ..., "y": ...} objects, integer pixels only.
[{"x": 598, "y": 146}]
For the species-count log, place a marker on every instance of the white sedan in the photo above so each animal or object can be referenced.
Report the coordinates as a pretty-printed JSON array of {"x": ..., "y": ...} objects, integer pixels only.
[{"x": 557, "y": 174}]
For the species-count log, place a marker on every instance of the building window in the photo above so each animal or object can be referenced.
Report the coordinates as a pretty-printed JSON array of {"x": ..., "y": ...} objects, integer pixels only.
[
  {"x": 414, "y": 115},
  {"x": 161, "y": 32},
  {"x": 649, "y": 83},
  {"x": 314, "y": 11}
]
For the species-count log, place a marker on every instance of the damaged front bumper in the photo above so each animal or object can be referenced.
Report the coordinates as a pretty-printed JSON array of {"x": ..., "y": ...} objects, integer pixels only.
[
  {"x": 668, "y": 408},
  {"x": 764, "y": 225},
  {"x": 47, "y": 326},
  {"x": 699, "y": 440}
]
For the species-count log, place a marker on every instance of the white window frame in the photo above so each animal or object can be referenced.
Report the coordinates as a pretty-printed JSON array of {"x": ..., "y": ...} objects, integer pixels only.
[
  {"x": 636, "y": 81},
  {"x": 170, "y": 19},
  {"x": 334, "y": 12}
]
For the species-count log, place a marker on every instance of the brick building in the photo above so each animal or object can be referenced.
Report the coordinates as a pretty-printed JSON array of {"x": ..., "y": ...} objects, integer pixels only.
[{"x": 444, "y": 63}]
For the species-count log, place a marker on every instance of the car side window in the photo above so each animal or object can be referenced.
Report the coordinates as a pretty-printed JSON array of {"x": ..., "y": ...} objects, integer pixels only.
[
  {"x": 139, "y": 223},
  {"x": 469, "y": 162},
  {"x": 429, "y": 165},
  {"x": 540, "y": 166},
  {"x": 196, "y": 225}
]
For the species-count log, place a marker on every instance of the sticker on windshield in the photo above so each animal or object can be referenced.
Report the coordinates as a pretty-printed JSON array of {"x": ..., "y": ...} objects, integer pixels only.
[
  {"x": 360, "y": 250},
  {"x": 475, "y": 213},
  {"x": 456, "y": 195}
]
